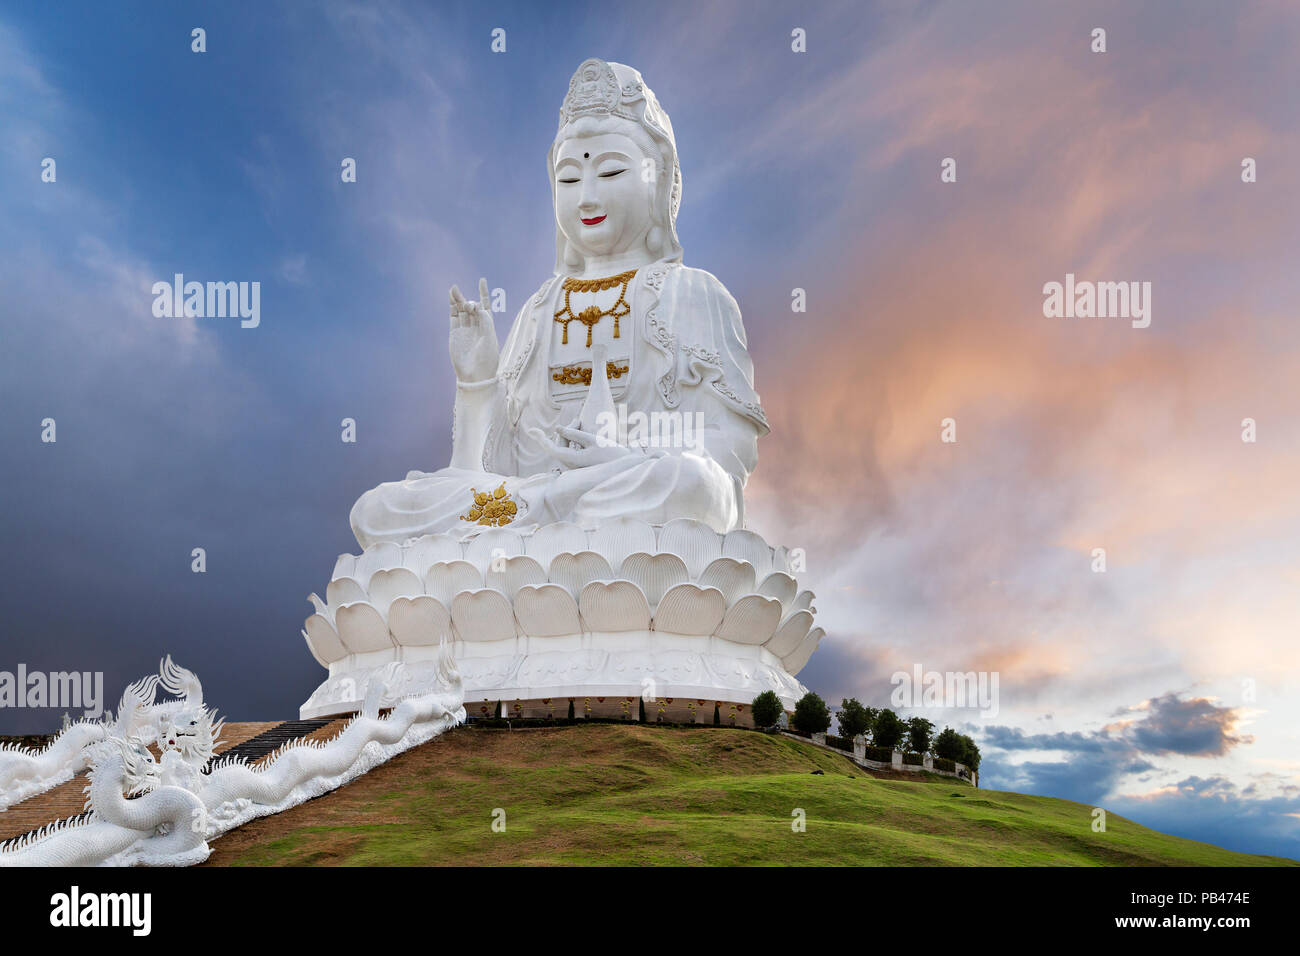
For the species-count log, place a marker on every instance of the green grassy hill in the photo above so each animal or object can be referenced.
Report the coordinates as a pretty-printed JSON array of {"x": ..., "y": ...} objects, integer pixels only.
[{"x": 628, "y": 794}]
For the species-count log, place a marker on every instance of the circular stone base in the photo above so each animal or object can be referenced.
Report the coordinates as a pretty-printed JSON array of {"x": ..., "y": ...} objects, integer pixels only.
[{"x": 619, "y": 667}]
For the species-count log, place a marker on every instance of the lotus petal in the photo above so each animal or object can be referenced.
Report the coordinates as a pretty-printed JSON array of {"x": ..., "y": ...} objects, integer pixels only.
[
  {"x": 616, "y": 539},
  {"x": 483, "y": 615},
  {"x": 562, "y": 537},
  {"x": 745, "y": 545},
  {"x": 803, "y": 602},
  {"x": 690, "y": 609},
  {"x": 342, "y": 591},
  {"x": 751, "y": 620},
  {"x": 419, "y": 621},
  {"x": 790, "y": 634},
  {"x": 693, "y": 541},
  {"x": 654, "y": 573},
  {"x": 324, "y": 640},
  {"x": 377, "y": 557},
  {"x": 546, "y": 610},
  {"x": 388, "y": 585},
  {"x": 445, "y": 579},
  {"x": 362, "y": 629},
  {"x": 319, "y": 660},
  {"x": 733, "y": 578},
  {"x": 796, "y": 661},
  {"x": 424, "y": 552},
  {"x": 320, "y": 606},
  {"x": 781, "y": 586},
  {"x": 614, "y": 606},
  {"x": 345, "y": 566},
  {"x": 514, "y": 573},
  {"x": 493, "y": 543},
  {"x": 573, "y": 572}
]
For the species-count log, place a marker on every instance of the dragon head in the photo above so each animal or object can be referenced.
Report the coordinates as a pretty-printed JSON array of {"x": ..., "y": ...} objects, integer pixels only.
[
  {"x": 192, "y": 732},
  {"x": 140, "y": 772}
]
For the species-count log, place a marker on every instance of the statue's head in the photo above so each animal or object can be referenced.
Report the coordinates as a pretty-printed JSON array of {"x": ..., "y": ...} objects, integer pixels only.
[{"x": 613, "y": 167}]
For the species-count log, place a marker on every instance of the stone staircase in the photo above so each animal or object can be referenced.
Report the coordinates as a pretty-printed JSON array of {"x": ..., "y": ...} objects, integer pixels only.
[{"x": 253, "y": 749}]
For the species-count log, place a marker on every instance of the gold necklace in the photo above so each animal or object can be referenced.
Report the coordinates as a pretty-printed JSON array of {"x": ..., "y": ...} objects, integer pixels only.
[{"x": 593, "y": 314}]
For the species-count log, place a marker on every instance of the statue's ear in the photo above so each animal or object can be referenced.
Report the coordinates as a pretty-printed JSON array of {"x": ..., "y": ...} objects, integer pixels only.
[{"x": 654, "y": 241}]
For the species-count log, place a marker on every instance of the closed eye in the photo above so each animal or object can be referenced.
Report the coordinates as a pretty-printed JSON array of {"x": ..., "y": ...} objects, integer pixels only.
[
  {"x": 567, "y": 180},
  {"x": 612, "y": 173}
]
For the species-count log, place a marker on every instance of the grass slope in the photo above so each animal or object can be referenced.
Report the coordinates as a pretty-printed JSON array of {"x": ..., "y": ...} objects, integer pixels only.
[{"x": 627, "y": 794}]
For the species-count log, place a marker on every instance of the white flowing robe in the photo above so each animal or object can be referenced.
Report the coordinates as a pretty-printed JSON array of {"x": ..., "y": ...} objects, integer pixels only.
[{"x": 687, "y": 355}]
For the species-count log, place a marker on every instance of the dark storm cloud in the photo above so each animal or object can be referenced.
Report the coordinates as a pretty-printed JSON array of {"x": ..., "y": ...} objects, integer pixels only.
[{"x": 1195, "y": 727}]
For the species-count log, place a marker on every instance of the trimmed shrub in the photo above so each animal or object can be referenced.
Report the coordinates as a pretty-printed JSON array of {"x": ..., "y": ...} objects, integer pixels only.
[
  {"x": 943, "y": 763},
  {"x": 811, "y": 714},
  {"x": 840, "y": 743},
  {"x": 766, "y": 709},
  {"x": 571, "y": 708},
  {"x": 717, "y": 715},
  {"x": 640, "y": 708},
  {"x": 913, "y": 760},
  {"x": 880, "y": 754}
]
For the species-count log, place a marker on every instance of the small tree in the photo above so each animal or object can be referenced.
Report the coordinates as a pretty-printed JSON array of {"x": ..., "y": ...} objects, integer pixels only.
[
  {"x": 853, "y": 718},
  {"x": 571, "y": 708},
  {"x": 766, "y": 709},
  {"x": 948, "y": 744},
  {"x": 640, "y": 703},
  {"x": 872, "y": 715},
  {"x": 717, "y": 715},
  {"x": 498, "y": 712},
  {"x": 811, "y": 715},
  {"x": 889, "y": 729},
  {"x": 919, "y": 731},
  {"x": 958, "y": 747}
]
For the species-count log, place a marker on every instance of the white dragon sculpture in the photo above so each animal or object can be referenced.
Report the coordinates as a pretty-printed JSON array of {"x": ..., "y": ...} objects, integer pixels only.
[
  {"x": 25, "y": 772},
  {"x": 163, "y": 812}
]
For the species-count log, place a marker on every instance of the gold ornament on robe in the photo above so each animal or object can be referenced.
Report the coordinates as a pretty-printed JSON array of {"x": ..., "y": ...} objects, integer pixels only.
[
  {"x": 577, "y": 375},
  {"x": 592, "y": 313},
  {"x": 492, "y": 508}
]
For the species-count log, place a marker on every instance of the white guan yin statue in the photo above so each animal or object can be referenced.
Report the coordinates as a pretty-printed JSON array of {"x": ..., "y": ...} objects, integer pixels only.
[{"x": 588, "y": 540}]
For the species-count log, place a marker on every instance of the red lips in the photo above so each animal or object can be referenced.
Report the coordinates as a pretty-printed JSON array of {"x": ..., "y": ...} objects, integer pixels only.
[{"x": 592, "y": 222}]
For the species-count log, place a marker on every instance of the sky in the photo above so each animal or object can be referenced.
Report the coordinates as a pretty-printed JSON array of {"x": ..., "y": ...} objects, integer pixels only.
[{"x": 1163, "y": 689}]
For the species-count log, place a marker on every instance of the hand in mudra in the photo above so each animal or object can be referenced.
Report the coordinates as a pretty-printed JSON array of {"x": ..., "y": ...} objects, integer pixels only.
[
  {"x": 575, "y": 448},
  {"x": 473, "y": 340}
]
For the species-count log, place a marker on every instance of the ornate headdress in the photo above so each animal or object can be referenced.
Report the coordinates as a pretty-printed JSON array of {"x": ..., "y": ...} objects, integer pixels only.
[{"x": 602, "y": 89}]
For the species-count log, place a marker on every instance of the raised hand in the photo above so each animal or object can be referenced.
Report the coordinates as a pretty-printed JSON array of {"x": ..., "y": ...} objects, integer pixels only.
[{"x": 473, "y": 340}]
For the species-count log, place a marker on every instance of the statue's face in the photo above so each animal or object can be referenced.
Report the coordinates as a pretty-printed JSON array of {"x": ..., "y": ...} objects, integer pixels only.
[{"x": 602, "y": 202}]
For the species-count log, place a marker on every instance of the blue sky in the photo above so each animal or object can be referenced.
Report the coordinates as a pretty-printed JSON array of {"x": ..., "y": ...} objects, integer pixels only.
[{"x": 817, "y": 171}]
